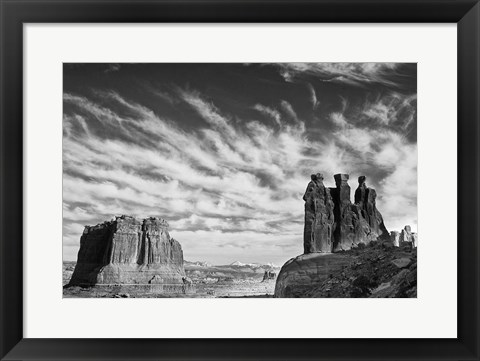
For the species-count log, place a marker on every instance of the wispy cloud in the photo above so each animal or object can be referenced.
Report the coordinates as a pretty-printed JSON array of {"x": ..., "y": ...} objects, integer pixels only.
[
  {"x": 313, "y": 95},
  {"x": 227, "y": 183},
  {"x": 272, "y": 113},
  {"x": 394, "y": 110},
  {"x": 357, "y": 74}
]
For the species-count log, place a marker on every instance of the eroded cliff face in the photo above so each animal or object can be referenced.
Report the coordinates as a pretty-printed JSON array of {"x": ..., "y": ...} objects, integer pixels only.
[
  {"x": 333, "y": 223},
  {"x": 378, "y": 270},
  {"x": 130, "y": 251},
  {"x": 319, "y": 217},
  {"x": 348, "y": 251}
]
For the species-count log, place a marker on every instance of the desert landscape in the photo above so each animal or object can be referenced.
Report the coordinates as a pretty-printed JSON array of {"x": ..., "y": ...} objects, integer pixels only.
[
  {"x": 234, "y": 280},
  {"x": 348, "y": 252},
  {"x": 239, "y": 180}
]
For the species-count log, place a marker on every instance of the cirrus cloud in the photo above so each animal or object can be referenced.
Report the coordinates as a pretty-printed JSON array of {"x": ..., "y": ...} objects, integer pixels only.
[{"x": 228, "y": 172}]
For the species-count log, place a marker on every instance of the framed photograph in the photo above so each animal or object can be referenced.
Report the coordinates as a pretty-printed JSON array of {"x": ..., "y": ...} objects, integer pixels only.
[{"x": 239, "y": 180}]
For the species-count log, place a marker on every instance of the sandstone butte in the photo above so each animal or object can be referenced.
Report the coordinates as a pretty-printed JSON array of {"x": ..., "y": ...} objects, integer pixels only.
[
  {"x": 129, "y": 251},
  {"x": 334, "y": 224}
]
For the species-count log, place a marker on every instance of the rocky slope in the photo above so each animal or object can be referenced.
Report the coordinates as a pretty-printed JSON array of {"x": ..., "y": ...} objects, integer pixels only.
[
  {"x": 130, "y": 251},
  {"x": 348, "y": 251},
  {"x": 377, "y": 270}
]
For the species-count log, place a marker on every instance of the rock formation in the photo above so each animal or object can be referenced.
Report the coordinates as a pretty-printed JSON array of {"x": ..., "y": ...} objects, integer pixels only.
[
  {"x": 414, "y": 240},
  {"x": 365, "y": 200},
  {"x": 269, "y": 275},
  {"x": 129, "y": 251},
  {"x": 366, "y": 268},
  {"x": 306, "y": 271},
  {"x": 319, "y": 217},
  {"x": 333, "y": 223},
  {"x": 395, "y": 238},
  {"x": 377, "y": 270},
  {"x": 406, "y": 236},
  {"x": 345, "y": 216}
]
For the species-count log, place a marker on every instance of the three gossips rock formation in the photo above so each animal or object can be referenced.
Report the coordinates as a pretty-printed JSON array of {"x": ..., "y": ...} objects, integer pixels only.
[{"x": 333, "y": 223}]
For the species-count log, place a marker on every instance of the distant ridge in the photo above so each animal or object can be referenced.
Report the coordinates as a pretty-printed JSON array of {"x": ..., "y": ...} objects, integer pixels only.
[
  {"x": 254, "y": 265},
  {"x": 234, "y": 264},
  {"x": 238, "y": 263},
  {"x": 198, "y": 263}
]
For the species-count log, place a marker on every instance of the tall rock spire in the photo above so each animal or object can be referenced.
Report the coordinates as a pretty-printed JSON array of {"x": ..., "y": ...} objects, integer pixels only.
[
  {"x": 319, "y": 218},
  {"x": 365, "y": 200},
  {"x": 344, "y": 233}
]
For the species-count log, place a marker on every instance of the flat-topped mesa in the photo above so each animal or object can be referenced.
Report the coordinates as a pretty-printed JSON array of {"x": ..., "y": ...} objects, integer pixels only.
[
  {"x": 333, "y": 223},
  {"x": 130, "y": 251}
]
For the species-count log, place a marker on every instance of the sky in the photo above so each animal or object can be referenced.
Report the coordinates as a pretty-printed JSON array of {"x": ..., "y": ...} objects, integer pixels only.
[{"x": 224, "y": 152}]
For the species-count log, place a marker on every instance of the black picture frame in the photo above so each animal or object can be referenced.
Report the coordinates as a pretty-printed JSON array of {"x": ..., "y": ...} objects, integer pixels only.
[{"x": 14, "y": 13}]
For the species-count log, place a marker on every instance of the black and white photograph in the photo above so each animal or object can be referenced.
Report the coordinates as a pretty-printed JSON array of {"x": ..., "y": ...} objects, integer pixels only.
[{"x": 240, "y": 180}]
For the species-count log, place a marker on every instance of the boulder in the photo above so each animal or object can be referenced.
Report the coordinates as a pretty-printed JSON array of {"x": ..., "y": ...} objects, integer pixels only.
[
  {"x": 402, "y": 285},
  {"x": 306, "y": 271},
  {"x": 129, "y": 251},
  {"x": 402, "y": 262}
]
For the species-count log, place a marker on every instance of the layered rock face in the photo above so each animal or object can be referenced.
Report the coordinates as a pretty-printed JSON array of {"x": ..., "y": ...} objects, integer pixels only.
[
  {"x": 333, "y": 223},
  {"x": 300, "y": 274},
  {"x": 365, "y": 201},
  {"x": 130, "y": 251},
  {"x": 367, "y": 268},
  {"x": 377, "y": 270},
  {"x": 319, "y": 217}
]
